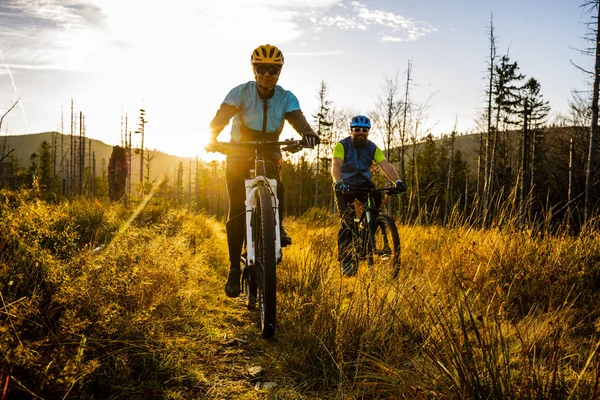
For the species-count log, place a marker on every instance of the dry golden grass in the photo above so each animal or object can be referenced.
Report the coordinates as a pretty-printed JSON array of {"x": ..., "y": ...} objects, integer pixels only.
[
  {"x": 474, "y": 314},
  {"x": 132, "y": 319},
  {"x": 497, "y": 313}
]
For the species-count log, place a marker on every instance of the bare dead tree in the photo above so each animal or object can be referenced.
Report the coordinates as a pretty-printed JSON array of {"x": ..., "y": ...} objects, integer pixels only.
[
  {"x": 386, "y": 117},
  {"x": 81, "y": 164},
  {"x": 8, "y": 111},
  {"x": 524, "y": 160},
  {"x": 94, "y": 175},
  {"x": 72, "y": 153},
  {"x": 91, "y": 176},
  {"x": 488, "y": 144},
  {"x": 4, "y": 140},
  {"x": 62, "y": 149},
  {"x": 450, "y": 182},
  {"x": 387, "y": 114},
  {"x": 591, "y": 159},
  {"x": 405, "y": 114},
  {"x": 141, "y": 131}
]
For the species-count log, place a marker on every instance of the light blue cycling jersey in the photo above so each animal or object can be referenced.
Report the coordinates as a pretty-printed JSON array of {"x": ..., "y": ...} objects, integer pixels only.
[{"x": 258, "y": 115}]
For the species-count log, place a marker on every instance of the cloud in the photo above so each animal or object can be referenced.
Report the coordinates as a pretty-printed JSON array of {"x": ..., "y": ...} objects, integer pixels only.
[
  {"x": 397, "y": 28},
  {"x": 67, "y": 14},
  {"x": 91, "y": 34},
  {"x": 316, "y": 53},
  {"x": 42, "y": 32},
  {"x": 344, "y": 23}
]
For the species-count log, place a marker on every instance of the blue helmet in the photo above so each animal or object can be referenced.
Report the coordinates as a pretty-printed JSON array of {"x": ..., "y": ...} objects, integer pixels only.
[{"x": 360, "y": 121}]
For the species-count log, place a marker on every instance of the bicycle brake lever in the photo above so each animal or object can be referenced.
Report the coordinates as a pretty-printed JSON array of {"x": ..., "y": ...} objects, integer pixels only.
[{"x": 292, "y": 148}]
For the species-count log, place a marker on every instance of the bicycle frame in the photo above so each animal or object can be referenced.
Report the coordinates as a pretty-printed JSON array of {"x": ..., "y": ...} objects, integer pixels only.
[
  {"x": 363, "y": 227},
  {"x": 260, "y": 179},
  {"x": 369, "y": 213},
  {"x": 262, "y": 233}
]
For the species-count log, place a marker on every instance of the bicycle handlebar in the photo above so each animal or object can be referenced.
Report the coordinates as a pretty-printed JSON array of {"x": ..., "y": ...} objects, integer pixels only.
[
  {"x": 390, "y": 190},
  {"x": 288, "y": 145}
]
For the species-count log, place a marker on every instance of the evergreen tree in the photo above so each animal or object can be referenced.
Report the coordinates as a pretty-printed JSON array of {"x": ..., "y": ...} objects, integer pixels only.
[
  {"x": 533, "y": 112},
  {"x": 102, "y": 181},
  {"x": 506, "y": 108},
  {"x": 537, "y": 108},
  {"x": 44, "y": 170},
  {"x": 179, "y": 192},
  {"x": 324, "y": 123},
  {"x": 33, "y": 170},
  {"x": 432, "y": 164}
]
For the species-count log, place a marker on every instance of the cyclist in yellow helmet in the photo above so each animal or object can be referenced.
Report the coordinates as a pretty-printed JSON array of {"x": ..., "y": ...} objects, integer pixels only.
[{"x": 259, "y": 109}]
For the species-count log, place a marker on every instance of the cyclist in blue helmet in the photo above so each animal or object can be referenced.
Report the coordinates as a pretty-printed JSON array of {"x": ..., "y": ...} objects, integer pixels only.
[
  {"x": 351, "y": 166},
  {"x": 259, "y": 109}
]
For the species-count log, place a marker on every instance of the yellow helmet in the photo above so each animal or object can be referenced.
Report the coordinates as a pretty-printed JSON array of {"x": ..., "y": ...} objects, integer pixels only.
[{"x": 267, "y": 54}]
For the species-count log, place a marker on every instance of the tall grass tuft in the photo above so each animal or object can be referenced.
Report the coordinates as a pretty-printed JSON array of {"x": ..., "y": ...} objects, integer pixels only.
[
  {"x": 91, "y": 308},
  {"x": 497, "y": 313}
]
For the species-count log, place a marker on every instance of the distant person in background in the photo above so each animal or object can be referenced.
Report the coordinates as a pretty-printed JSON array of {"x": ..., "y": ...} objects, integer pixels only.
[
  {"x": 259, "y": 110},
  {"x": 351, "y": 167},
  {"x": 117, "y": 174}
]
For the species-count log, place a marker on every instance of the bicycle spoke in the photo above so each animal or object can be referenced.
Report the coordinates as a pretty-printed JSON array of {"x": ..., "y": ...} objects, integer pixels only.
[
  {"x": 266, "y": 261},
  {"x": 386, "y": 245}
]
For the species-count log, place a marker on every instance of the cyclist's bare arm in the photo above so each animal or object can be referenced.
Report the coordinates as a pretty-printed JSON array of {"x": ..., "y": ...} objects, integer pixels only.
[
  {"x": 389, "y": 170},
  {"x": 221, "y": 119},
  {"x": 336, "y": 169}
]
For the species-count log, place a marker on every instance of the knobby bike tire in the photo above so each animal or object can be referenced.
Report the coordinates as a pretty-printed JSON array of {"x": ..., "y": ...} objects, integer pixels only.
[
  {"x": 249, "y": 282},
  {"x": 386, "y": 241},
  {"x": 265, "y": 261}
]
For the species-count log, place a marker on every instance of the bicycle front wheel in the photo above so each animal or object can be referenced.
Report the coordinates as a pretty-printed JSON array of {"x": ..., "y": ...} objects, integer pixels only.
[
  {"x": 249, "y": 282},
  {"x": 386, "y": 245},
  {"x": 264, "y": 240}
]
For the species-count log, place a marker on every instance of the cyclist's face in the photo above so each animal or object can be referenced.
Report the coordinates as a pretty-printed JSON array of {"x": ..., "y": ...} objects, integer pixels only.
[
  {"x": 267, "y": 75},
  {"x": 359, "y": 137}
]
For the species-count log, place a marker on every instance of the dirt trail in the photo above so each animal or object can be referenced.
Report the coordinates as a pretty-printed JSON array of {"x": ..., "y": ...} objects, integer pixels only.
[{"x": 237, "y": 363}]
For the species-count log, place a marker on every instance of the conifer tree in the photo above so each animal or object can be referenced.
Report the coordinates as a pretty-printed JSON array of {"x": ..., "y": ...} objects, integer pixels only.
[
  {"x": 323, "y": 120},
  {"x": 44, "y": 169}
]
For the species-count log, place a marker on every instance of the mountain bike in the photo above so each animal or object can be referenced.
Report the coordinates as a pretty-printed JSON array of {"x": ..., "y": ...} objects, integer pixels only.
[
  {"x": 375, "y": 235},
  {"x": 262, "y": 237}
]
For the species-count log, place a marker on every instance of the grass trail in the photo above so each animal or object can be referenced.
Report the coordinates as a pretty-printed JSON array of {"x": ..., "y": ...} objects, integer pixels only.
[{"x": 493, "y": 314}]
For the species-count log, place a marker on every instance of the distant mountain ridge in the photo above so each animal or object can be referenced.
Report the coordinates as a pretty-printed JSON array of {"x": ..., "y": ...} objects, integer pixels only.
[{"x": 25, "y": 145}]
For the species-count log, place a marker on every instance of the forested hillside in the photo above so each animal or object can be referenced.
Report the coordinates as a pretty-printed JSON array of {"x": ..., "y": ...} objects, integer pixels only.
[
  {"x": 24, "y": 146},
  {"x": 444, "y": 175}
]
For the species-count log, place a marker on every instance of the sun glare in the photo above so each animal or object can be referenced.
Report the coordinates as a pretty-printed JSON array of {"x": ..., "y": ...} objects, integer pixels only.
[{"x": 132, "y": 63}]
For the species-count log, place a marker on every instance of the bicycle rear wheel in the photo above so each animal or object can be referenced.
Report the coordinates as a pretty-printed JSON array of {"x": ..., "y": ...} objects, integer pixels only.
[
  {"x": 386, "y": 245},
  {"x": 264, "y": 231}
]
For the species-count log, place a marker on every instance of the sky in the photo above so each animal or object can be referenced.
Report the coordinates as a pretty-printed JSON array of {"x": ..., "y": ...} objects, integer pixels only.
[{"x": 178, "y": 60}]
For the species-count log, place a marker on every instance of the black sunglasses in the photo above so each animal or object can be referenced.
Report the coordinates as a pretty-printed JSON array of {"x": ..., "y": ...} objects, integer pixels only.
[
  {"x": 262, "y": 69},
  {"x": 357, "y": 130}
]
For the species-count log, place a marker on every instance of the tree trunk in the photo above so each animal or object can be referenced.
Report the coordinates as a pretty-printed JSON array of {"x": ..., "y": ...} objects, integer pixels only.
[
  {"x": 317, "y": 176},
  {"x": 450, "y": 182},
  {"x": 591, "y": 161},
  {"x": 570, "y": 188},
  {"x": 531, "y": 170},
  {"x": 488, "y": 144},
  {"x": 524, "y": 164},
  {"x": 81, "y": 152}
]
